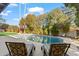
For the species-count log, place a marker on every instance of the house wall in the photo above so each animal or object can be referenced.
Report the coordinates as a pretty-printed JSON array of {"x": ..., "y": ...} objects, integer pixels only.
[{"x": 1, "y": 30}]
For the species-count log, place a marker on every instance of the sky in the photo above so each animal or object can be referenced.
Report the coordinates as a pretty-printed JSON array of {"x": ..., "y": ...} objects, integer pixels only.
[{"x": 14, "y": 11}]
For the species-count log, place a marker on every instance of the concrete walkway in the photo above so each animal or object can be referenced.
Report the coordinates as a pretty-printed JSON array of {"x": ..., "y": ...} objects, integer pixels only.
[{"x": 38, "y": 51}]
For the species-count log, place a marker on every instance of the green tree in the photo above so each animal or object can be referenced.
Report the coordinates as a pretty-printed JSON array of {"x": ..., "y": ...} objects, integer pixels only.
[
  {"x": 4, "y": 26},
  {"x": 12, "y": 28},
  {"x": 65, "y": 28},
  {"x": 77, "y": 22},
  {"x": 55, "y": 30},
  {"x": 41, "y": 19},
  {"x": 76, "y": 5},
  {"x": 30, "y": 21},
  {"x": 49, "y": 18},
  {"x": 57, "y": 17},
  {"x": 22, "y": 24},
  {"x": 42, "y": 22}
]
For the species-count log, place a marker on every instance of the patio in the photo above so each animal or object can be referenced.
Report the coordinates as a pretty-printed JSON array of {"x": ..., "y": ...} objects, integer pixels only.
[{"x": 73, "y": 50}]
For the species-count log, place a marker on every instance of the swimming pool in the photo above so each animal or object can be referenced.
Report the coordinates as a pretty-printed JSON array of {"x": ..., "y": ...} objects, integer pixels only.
[{"x": 46, "y": 39}]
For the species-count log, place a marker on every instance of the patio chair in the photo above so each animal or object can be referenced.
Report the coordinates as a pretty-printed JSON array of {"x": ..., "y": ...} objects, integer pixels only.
[
  {"x": 18, "y": 49},
  {"x": 56, "y": 49}
]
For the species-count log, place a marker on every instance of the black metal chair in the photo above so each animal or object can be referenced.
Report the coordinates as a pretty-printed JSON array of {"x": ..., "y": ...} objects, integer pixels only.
[{"x": 18, "y": 49}]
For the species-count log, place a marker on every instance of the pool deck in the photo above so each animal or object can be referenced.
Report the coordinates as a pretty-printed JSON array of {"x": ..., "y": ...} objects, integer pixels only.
[
  {"x": 73, "y": 50},
  {"x": 38, "y": 51},
  {"x": 4, "y": 51}
]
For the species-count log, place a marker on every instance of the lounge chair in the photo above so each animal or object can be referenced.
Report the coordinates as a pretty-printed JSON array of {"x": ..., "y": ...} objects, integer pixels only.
[
  {"x": 56, "y": 49},
  {"x": 19, "y": 49}
]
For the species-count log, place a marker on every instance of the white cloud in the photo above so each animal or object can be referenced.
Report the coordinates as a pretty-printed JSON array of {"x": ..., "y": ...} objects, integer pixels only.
[
  {"x": 36, "y": 9},
  {"x": 6, "y": 13},
  {"x": 13, "y": 4},
  {"x": 16, "y": 19}
]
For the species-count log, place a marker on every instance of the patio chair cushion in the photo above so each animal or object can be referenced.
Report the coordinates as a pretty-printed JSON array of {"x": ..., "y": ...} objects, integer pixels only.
[
  {"x": 58, "y": 49},
  {"x": 16, "y": 49}
]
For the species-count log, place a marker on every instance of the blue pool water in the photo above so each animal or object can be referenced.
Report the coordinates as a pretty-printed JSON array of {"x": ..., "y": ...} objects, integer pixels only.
[{"x": 46, "y": 39}]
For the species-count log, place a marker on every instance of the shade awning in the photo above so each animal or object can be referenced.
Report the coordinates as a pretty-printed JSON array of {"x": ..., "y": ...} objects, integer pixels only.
[{"x": 3, "y": 6}]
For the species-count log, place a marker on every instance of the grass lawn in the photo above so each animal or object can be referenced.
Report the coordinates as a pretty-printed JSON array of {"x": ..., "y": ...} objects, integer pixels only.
[{"x": 7, "y": 33}]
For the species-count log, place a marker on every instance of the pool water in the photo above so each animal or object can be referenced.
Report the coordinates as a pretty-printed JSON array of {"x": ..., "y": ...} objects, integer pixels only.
[{"x": 46, "y": 39}]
